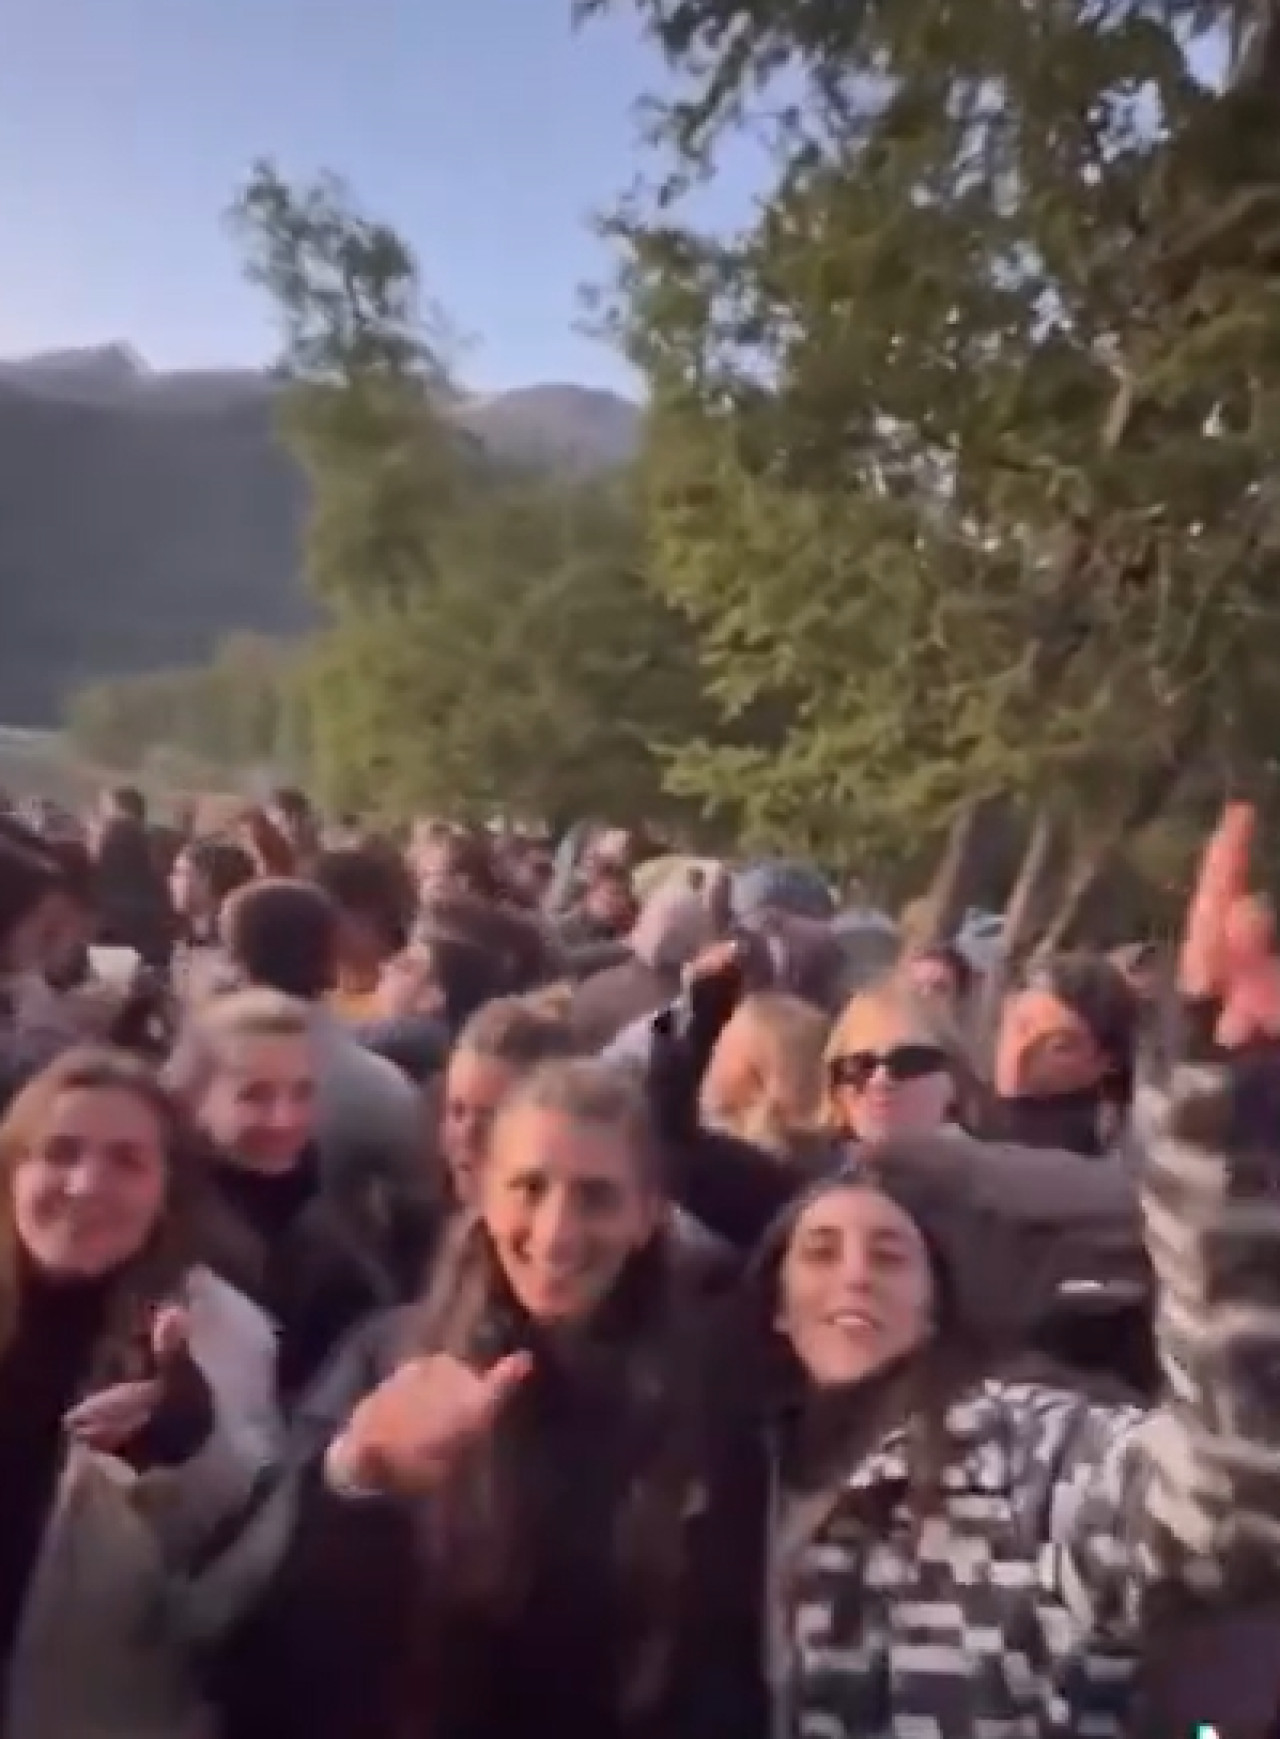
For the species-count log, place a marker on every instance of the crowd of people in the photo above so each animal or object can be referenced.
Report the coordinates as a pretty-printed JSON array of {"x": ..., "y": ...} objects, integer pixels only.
[{"x": 467, "y": 1285}]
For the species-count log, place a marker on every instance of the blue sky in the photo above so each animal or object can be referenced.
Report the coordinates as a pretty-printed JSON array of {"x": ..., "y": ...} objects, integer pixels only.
[{"x": 485, "y": 130}]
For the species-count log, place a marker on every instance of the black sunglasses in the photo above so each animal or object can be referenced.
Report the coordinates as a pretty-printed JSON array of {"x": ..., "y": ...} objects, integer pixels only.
[{"x": 901, "y": 1063}]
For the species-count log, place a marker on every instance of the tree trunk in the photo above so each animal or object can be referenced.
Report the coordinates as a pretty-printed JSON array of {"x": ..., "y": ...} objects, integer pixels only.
[
  {"x": 1039, "y": 865},
  {"x": 1030, "y": 891},
  {"x": 1082, "y": 882},
  {"x": 938, "y": 914},
  {"x": 1150, "y": 797}
]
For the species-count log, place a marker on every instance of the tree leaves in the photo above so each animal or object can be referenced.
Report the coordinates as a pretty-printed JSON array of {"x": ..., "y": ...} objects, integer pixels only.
[
  {"x": 961, "y": 452},
  {"x": 493, "y": 644}
]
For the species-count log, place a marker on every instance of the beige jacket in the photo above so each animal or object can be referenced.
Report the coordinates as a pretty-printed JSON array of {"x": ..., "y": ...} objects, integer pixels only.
[{"x": 114, "y": 1616}]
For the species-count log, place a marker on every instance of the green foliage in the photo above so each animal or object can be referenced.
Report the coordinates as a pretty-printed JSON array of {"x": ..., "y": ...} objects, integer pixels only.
[
  {"x": 963, "y": 452},
  {"x": 492, "y": 642},
  {"x": 242, "y": 711}
]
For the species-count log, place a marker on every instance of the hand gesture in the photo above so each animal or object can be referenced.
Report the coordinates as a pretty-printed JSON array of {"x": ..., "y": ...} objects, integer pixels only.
[
  {"x": 720, "y": 960},
  {"x": 714, "y": 985},
  {"x": 1228, "y": 952},
  {"x": 414, "y": 1428},
  {"x": 112, "y": 1418}
]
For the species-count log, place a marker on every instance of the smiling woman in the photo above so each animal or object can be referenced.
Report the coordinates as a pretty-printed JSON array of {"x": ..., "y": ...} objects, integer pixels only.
[
  {"x": 114, "y": 1343},
  {"x": 569, "y": 1190},
  {"x": 547, "y": 1399}
]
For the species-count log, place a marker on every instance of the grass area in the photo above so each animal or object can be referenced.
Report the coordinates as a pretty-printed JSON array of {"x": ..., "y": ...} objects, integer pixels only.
[
  {"x": 41, "y": 764},
  {"x": 44, "y": 764}
]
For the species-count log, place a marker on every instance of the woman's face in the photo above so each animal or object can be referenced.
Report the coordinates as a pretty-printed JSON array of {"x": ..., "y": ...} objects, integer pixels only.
[
  {"x": 189, "y": 889},
  {"x": 566, "y": 1207},
  {"x": 440, "y": 871},
  {"x": 89, "y": 1192},
  {"x": 888, "y": 1078},
  {"x": 1044, "y": 1048},
  {"x": 260, "y": 1107},
  {"x": 856, "y": 1290},
  {"x": 932, "y": 977},
  {"x": 474, "y": 1087}
]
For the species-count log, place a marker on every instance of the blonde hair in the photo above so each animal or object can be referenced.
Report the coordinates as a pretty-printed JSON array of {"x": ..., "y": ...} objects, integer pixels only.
[
  {"x": 893, "y": 1004},
  {"x": 241, "y": 1014},
  {"x": 775, "y": 1098}
]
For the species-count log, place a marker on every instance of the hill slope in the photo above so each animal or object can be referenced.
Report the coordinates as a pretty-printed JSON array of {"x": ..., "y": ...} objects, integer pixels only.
[{"x": 143, "y": 515}]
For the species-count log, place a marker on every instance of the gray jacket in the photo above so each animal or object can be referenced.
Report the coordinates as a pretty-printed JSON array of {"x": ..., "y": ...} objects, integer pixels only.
[{"x": 367, "y": 1105}]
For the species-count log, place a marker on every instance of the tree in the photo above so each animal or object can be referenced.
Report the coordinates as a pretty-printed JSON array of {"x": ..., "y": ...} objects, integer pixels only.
[
  {"x": 492, "y": 642},
  {"x": 963, "y": 451},
  {"x": 241, "y": 711}
]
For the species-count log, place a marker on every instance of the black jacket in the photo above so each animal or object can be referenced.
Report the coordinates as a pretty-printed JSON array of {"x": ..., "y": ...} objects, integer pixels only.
[{"x": 334, "y": 1651}]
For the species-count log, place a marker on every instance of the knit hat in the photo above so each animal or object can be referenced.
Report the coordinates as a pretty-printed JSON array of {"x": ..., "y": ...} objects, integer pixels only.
[{"x": 775, "y": 885}]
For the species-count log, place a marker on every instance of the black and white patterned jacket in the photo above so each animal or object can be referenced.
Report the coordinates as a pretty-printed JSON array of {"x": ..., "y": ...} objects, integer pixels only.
[{"x": 1015, "y": 1610}]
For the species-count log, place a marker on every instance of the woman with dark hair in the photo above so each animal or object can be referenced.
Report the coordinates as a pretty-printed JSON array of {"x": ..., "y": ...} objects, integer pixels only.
[
  {"x": 136, "y": 1407},
  {"x": 926, "y": 1496},
  {"x": 506, "y": 1521},
  {"x": 271, "y": 849},
  {"x": 70, "y": 916},
  {"x": 942, "y": 971},
  {"x": 522, "y": 953},
  {"x": 449, "y": 863},
  {"x": 374, "y": 899},
  {"x": 206, "y": 873},
  {"x": 1065, "y": 1055}
]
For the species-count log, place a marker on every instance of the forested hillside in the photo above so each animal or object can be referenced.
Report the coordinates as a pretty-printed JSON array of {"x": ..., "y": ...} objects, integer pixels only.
[{"x": 145, "y": 516}]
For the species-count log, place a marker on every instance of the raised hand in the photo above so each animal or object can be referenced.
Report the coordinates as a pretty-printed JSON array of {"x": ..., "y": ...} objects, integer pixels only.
[
  {"x": 414, "y": 1428},
  {"x": 112, "y": 1418},
  {"x": 1228, "y": 952}
]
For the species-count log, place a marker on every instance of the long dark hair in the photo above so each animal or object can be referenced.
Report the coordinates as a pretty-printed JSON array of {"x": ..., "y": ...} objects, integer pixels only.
[
  {"x": 636, "y": 1358},
  {"x": 974, "y": 1260}
]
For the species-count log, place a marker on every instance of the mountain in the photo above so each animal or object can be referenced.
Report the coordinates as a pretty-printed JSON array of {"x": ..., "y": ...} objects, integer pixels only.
[{"x": 146, "y": 513}]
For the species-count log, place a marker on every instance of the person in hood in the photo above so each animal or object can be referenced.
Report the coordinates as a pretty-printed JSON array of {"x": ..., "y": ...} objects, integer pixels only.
[
  {"x": 792, "y": 889},
  {"x": 1064, "y": 1056}
]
